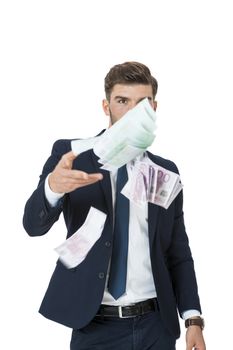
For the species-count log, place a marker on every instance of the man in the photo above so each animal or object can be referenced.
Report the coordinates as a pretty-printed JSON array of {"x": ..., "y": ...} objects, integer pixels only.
[{"x": 159, "y": 269}]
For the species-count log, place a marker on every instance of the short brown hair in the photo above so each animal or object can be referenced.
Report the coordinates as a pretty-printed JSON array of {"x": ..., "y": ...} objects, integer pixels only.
[{"x": 129, "y": 73}]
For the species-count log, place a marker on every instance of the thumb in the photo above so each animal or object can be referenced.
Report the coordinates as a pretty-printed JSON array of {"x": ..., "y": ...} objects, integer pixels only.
[{"x": 67, "y": 159}]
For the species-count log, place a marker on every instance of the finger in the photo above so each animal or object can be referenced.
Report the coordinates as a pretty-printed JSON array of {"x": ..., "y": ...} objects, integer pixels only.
[
  {"x": 67, "y": 159},
  {"x": 95, "y": 176},
  {"x": 90, "y": 178},
  {"x": 86, "y": 183},
  {"x": 78, "y": 182},
  {"x": 81, "y": 175},
  {"x": 73, "y": 184}
]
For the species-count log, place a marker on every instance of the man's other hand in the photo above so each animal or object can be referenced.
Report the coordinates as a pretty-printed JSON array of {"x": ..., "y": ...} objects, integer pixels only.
[
  {"x": 194, "y": 339},
  {"x": 64, "y": 179}
]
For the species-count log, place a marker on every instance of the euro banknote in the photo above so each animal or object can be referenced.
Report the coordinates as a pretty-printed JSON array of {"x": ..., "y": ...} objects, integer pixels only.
[{"x": 149, "y": 182}]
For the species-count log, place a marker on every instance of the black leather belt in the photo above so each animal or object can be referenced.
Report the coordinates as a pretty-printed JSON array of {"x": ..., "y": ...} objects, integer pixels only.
[{"x": 133, "y": 310}]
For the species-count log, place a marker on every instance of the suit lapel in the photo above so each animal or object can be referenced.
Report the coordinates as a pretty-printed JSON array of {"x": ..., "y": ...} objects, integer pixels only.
[
  {"x": 105, "y": 184},
  {"x": 153, "y": 214},
  {"x": 153, "y": 217}
]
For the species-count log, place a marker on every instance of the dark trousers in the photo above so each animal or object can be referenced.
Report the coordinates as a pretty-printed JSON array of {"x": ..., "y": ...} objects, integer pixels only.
[{"x": 144, "y": 332}]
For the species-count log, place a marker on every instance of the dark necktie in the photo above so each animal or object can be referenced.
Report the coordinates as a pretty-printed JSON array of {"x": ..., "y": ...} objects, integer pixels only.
[{"x": 118, "y": 268}]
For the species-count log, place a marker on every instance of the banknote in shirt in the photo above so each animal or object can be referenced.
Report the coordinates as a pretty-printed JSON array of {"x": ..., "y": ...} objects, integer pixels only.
[{"x": 149, "y": 182}]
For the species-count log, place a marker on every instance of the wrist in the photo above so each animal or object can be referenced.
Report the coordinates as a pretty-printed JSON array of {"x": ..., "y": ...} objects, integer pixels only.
[
  {"x": 195, "y": 321},
  {"x": 52, "y": 197}
]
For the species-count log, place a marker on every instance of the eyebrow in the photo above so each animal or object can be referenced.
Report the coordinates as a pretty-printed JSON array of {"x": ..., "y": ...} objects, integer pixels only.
[{"x": 127, "y": 98}]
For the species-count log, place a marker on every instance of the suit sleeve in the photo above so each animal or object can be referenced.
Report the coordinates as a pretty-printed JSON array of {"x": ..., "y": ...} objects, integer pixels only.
[
  {"x": 39, "y": 216},
  {"x": 180, "y": 263}
]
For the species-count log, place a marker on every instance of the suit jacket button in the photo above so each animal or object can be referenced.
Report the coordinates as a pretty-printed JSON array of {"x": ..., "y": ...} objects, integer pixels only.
[
  {"x": 108, "y": 244},
  {"x": 42, "y": 214},
  {"x": 101, "y": 275}
]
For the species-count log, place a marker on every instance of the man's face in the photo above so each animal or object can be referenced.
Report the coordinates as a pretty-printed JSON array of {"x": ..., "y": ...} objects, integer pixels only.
[{"x": 125, "y": 97}]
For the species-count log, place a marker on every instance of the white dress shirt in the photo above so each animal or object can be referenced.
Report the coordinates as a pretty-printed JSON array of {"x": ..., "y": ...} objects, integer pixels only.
[{"x": 139, "y": 284}]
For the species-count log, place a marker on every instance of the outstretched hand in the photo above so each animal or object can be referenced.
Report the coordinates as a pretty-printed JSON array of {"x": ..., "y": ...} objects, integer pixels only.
[{"x": 64, "y": 179}]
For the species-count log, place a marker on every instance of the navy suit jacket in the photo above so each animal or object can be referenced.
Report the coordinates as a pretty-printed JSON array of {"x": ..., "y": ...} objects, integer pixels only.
[{"x": 74, "y": 295}]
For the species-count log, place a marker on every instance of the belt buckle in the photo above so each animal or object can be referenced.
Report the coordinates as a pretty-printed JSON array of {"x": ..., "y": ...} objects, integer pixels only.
[{"x": 120, "y": 312}]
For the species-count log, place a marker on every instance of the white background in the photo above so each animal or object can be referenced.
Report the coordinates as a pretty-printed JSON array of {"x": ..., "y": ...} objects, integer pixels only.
[{"x": 54, "y": 57}]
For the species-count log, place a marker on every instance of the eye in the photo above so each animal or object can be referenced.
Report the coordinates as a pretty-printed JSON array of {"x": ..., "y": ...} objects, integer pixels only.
[{"x": 122, "y": 100}]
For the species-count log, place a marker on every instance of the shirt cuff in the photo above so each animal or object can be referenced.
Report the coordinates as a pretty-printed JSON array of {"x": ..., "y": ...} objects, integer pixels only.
[
  {"x": 190, "y": 313},
  {"x": 52, "y": 197}
]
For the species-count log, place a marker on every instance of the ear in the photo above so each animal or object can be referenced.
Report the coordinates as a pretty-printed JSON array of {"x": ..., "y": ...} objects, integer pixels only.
[
  {"x": 155, "y": 105},
  {"x": 105, "y": 105}
]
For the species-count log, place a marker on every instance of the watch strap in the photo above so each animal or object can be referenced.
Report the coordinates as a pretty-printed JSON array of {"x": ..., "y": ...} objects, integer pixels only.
[{"x": 195, "y": 322}]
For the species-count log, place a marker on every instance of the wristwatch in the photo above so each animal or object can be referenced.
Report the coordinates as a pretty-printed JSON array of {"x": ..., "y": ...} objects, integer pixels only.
[{"x": 198, "y": 321}]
